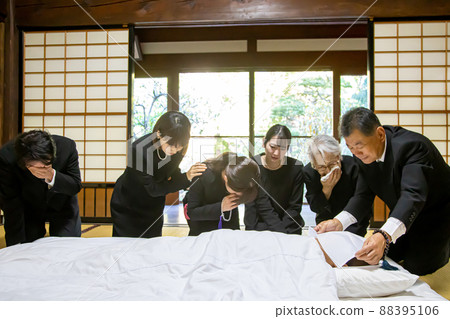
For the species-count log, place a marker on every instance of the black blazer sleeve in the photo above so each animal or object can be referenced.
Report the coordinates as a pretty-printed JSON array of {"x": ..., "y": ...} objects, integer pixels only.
[
  {"x": 361, "y": 202},
  {"x": 314, "y": 195},
  {"x": 262, "y": 209},
  {"x": 295, "y": 201},
  {"x": 197, "y": 209}
]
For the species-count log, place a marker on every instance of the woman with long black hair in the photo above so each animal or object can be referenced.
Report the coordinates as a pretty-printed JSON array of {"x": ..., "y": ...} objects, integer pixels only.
[{"x": 138, "y": 199}]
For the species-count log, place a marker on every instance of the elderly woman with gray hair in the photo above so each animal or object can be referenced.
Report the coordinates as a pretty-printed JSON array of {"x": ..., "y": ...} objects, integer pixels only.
[{"x": 330, "y": 180}]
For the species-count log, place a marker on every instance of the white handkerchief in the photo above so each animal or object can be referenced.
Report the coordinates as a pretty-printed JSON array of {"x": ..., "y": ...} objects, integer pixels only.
[{"x": 340, "y": 246}]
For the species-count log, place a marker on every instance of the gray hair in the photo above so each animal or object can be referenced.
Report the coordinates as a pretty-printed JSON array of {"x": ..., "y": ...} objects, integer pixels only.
[{"x": 321, "y": 144}]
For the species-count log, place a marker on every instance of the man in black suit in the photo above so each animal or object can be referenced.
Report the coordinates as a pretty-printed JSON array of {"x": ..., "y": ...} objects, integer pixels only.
[
  {"x": 39, "y": 180},
  {"x": 409, "y": 174}
]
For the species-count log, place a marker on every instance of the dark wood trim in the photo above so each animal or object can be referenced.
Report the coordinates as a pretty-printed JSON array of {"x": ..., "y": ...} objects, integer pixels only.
[
  {"x": 336, "y": 102},
  {"x": 2, "y": 76}
]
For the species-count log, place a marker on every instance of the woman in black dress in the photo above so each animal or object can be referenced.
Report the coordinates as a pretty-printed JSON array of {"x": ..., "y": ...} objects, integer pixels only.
[
  {"x": 282, "y": 181},
  {"x": 213, "y": 199},
  {"x": 138, "y": 199}
]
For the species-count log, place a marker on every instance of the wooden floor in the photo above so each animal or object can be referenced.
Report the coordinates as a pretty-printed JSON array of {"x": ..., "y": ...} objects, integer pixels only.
[{"x": 439, "y": 281}]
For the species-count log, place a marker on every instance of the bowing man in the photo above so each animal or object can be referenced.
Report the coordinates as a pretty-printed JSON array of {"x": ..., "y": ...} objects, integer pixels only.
[
  {"x": 409, "y": 174},
  {"x": 330, "y": 180},
  {"x": 39, "y": 182}
]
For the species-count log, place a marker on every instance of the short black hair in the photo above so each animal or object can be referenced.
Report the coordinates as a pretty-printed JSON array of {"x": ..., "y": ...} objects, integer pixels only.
[
  {"x": 35, "y": 145},
  {"x": 175, "y": 125},
  {"x": 280, "y": 131},
  {"x": 361, "y": 119}
]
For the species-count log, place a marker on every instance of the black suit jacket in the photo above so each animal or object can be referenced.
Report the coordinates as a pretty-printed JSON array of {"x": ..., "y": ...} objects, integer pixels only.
[
  {"x": 22, "y": 193},
  {"x": 341, "y": 194},
  {"x": 414, "y": 179}
]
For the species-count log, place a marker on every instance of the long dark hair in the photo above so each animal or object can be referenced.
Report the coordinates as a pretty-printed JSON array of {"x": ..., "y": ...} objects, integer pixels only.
[
  {"x": 35, "y": 145},
  {"x": 279, "y": 131},
  {"x": 242, "y": 173},
  {"x": 175, "y": 125}
]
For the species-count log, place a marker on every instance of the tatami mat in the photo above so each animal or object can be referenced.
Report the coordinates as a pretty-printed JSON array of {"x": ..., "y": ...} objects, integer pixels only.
[{"x": 439, "y": 281}]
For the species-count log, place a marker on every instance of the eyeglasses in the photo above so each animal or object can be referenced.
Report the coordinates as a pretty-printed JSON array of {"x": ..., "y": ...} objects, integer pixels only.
[{"x": 328, "y": 166}]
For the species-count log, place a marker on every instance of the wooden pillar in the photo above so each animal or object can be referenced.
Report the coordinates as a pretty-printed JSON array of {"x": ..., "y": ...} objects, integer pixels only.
[
  {"x": 10, "y": 123},
  {"x": 2, "y": 78}
]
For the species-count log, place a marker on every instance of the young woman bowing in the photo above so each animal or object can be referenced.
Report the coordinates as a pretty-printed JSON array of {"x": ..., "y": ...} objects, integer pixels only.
[{"x": 138, "y": 199}]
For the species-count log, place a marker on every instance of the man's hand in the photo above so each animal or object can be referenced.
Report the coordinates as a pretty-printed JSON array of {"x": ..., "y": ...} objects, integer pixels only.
[
  {"x": 42, "y": 171},
  {"x": 328, "y": 225},
  {"x": 372, "y": 250}
]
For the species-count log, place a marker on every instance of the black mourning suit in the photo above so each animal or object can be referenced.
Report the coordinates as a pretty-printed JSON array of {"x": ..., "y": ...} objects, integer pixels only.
[
  {"x": 138, "y": 199},
  {"x": 414, "y": 181},
  {"x": 28, "y": 202},
  {"x": 342, "y": 192}
]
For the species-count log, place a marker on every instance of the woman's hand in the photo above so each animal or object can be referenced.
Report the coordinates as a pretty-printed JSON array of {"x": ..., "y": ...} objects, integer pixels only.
[
  {"x": 230, "y": 202},
  {"x": 196, "y": 170},
  {"x": 328, "y": 185}
]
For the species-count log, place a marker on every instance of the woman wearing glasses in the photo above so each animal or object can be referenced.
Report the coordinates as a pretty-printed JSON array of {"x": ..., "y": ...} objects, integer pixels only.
[
  {"x": 282, "y": 182},
  {"x": 330, "y": 180}
]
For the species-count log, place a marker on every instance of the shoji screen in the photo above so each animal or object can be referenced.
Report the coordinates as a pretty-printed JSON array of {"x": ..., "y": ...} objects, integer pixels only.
[
  {"x": 76, "y": 84},
  {"x": 412, "y": 78}
]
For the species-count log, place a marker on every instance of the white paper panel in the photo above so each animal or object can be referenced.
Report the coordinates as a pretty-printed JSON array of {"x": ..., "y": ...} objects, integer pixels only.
[
  {"x": 410, "y": 74},
  {"x": 54, "y": 93},
  {"x": 54, "y": 52},
  {"x": 96, "y": 37},
  {"x": 34, "y": 66},
  {"x": 116, "y": 147},
  {"x": 80, "y": 161},
  {"x": 118, "y": 64},
  {"x": 34, "y": 106},
  {"x": 74, "y": 120},
  {"x": 434, "y": 28},
  {"x": 55, "y": 130},
  {"x": 433, "y": 44},
  {"x": 34, "y": 79},
  {"x": 96, "y": 78},
  {"x": 32, "y": 38},
  {"x": 96, "y": 92},
  {"x": 409, "y": 29},
  {"x": 75, "y": 134},
  {"x": 385, "y": 59},
  {"x": 430, "y": 73},
  {"x": 388, "y": 119},
  {"x": 55, "y": 38},
  {"x": 413, "y": 88},
  {"x": 98, "y": 51},
  {"x": 117, "y": 120},
  {"x": 75, "y": 78},
  {"x": 54, "y": 66},
  {"x": 409, "y": 103},
  {"x": 409, "y": 44},
  {"x": 54, "y": 78},
  {"x": 75, "y": 106},
  {"x": 34, "y": 121},
  {"x": 76, "y": 51},
  {"x": 434, "y": 88},
  {"x": 117, "y": 92},
  {"x": 75, "y": 65},
  {"x": 95, "y": 147},
  {"x": 96, "y": 64},
  {"x": 54, "y": 106},
  {"x": 94, "y": 175},
  {"x": 433, "y": 58},
  {"x": 410, "y": 119},
  {"x": 55, "y": 121},
  {"x": 95, "y": 120},
  {"x": 434, "y": 103},
  {"x": 385, "y": 30},
  {"x": 434, "y": 119},
  {"x": 118, "y": 36},
  {"x": 409, "y": 59},
  {"x": 113, "y": 175},
  {"x": 385, "y": 103},
  {"x": 385, "y": 74},
  {"x": 75, "y": 92},
  {"x": 93, "y": 134},
  {"x": 117, "y": 134},
  {"x": 80, "y": 147},
  {"x": 118, "y": 106},
  {"x": 75, "y": 37},
  {"x": 441, "y": 146},
  {"x": 118, "y": 78},
  {"x": 435, "y": 132},
  {"x": 118, "y": 50},
  {"x": 96, "y": 106},
  {"x": 116, "y": 162},
  {"x": 34, "y": 52},
  {"x": 385, "y": 89},
  {"x": 32, "y": 93},
  {"x": 417, "y": 129}
]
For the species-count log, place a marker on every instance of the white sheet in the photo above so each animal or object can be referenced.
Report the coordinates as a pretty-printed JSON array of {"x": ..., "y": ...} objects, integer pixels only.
[{"x": 220, "y": 265}]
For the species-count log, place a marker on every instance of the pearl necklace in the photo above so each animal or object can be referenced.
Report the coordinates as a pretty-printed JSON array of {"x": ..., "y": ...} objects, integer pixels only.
[{"x": 157, "y": 151}]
